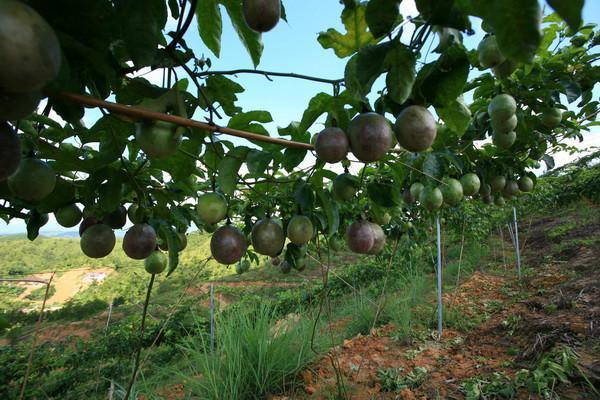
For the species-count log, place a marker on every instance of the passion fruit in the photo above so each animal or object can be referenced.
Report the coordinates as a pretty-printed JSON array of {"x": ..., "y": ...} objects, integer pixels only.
[
  {"x": 33, "y": 180},
  {"x": 502, "y": 107},
  {"x": 30, "y": 50},
  {"x": 14, "y": 106},
  {"x": 286, "y": 268},
  {"x": 511, "y": 189},
  {"x": 261, "y": 15},
  {"x": 117, "y": 218},
  {"x": 470, "y": 183},
  {"x": 344, "y": 187},
  {"x": 156, "y": 262},
  {"x": 488, "y": 52},
  {"x": 139, "y": 241},
  {"x": 499, "y": 201},
  {"x": 332, "y": 145},
  {"x": 505, "y": 69},
  {"x": 68, "y": 216},
  {"x": 415, "y": 128},
  {"x": 360, "y": 237},
  {"x": 87, "y": 223},
  {"x": 431, "y": 198},
  {"x": 98, "y": 241},
  {"x": 275, "y": 261},
  {"x": 212, "y": 207},
  {"x": 408, "y": 197},
  {"x": 268, "y": 237},
  {"x": 552, "y": 117},
  {"x": 485, "y": 190},
  {"x": 498, "y": 183},
  {"x": 452, "y": 191},
  {"x": 379, "y": 239},
  {"x": 300, "y": 230},
  {"x": 370, "y": 136},
  {"x": 10, "y": 151},
  {"x": 134, "y": 213},
  {"x": 525, "y": 184},
  {"x": 504, "y": 140},
  {"x": 158, "y": 139},
  {"x": 416, "y": 189},
  {"x": 228, "y": 245},
  {"x": 504, "y": 125}
]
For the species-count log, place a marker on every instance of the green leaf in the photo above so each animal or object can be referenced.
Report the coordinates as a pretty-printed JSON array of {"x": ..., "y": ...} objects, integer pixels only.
[
  {"x": 331, "y": 210},
  {"x": 384, "y": 194},
  {"x": 371, "y": 63},
  {"x": 167, "y": 231},
  {"x": 251, "y": 40},
  {"x": 432, "y": 166},
  {"x": 34, "y": 223},
  {"x": 318, "y": 105},
  {"x": 443, "y": 81},
  {"x": 244, "y": 121},
  {"x": 456, "y": 115},
  {"x": 180, "y": 166},
  {"x": 223, "y": 90},
  {"x": 401, "y": 76},
  {"x": 210, "y": 24},
  {"x": 174, "y": 8},
  {"x": 292, "y": 157},
  {"x": 569, "y": 10},
  {"x": 357, "y": 35},
  {"x": 443, "y": 13},
  {"x": 304, "y": 196},
  {"x": 258, "y": 161},
  {"x": 382, "y": 16},
  {"x": 229, "y": 168},
  {"x": 571, "y": 89},
  {"x": 110, "y": 192}
]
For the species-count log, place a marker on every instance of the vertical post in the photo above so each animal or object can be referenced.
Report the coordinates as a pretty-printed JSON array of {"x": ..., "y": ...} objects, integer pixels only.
[
  {"x": 212, "y": 318},
  {"x": 518, "y": 250},
  {"x": 439, "y": 275},
  {"x": 502, "y": 243},
  {"x": 110, "y": 306}
]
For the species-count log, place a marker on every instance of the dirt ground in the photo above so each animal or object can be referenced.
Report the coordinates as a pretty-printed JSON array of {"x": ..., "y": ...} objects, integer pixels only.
[{"x": 558, "y": 303}]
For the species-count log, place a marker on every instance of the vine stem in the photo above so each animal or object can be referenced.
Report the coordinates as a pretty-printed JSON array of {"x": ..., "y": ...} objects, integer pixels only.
[
  {"x": 140, "y": 113},
  {"x": 139, "y": 349},
  {"x": 267, "y": 74}
]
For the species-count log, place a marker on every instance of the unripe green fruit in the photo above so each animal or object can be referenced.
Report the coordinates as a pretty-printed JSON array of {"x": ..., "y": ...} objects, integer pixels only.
[
  {"x": 33, "y": 180},
  {"x": 242, "y": 266},
  {"x": 499, "y": 201},
  {"x": 98, "y": 241},
  {"x": 415, "y": 128},
  {"x": 511, "y": 188},
  {"x": 526, "y": 184},
  {"x": 502, "y": 107},
  {"x": 488, "y": 52},
  {"x": 452, "y": 191},
  {"x": 416, "y": 189},
  {"x": 212, "y": 208},
  {"x": 156, "y": 262},
  {"x": 68, "y": 216},
  {"x": 500, "y": 125},
  {"x": 344, "y": 187},
  {"x": 158, "y": 139},
  {"x": 552, "y": 117},
  {"x": 505, "y": 69},
  {"x": 497, "y": 183},
  {"x": 470, "y": 184},
  {"x": 431, "y": 198},
  {"x": 485, "y": 190},
  {"x": 382, "y": 219},
  {"x": 504, "y": 140},
  {"x": 300, "y": 230},
  {"x": 10, "y": 151}
]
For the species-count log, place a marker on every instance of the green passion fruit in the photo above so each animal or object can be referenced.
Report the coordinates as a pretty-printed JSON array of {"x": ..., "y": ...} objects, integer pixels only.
[
  {"x": 415, "y": 128},
  {"x": 488, "y": 52},
  {"x": 242, "y": 266},
  {"x": 268, "y": 237},
  {"x": 431, "y": 198},
  {"x": 470, "y": 183},
  {"x": 285, "y": 267},
  {"x": 360, "y": 237},
  {"x": 98, "y": 241},
  {"x": 500, "y": 125},
  {"x": 344, "y": 187},
  {"x": 156, "y": 262},
  {"x": 416, "y": 189},
  {"x": 504, "y": 140},
  {"x": 14, "y": 106},
  {"x": 552, "y": 117},
  {"x": 212, "y": 207},
  {"x": 370, "y": 136},
  {"x": 497, "y": 183},
  {"x": 485, "y": 190},
  {"x": 525, "y": 184},
  {"x": 33, "y": 180},
  {"x": 139, "y": 241},
  {"x": 135, "y": 214},
  {"x": 488, "y": 199},
  {"x": 10, "y": 151},
  {"x": 502, "y": 107},
  {"x": 505, "y": 69},
  {"x": 511, "y": 188},
  {"x": 30, "y": 50},
  {"x": 452, "y": 191},
  {"x": 261, "y": 15},
  {"x": 158, "y": 139},
  {"x": 332, "y": 145},
  {"x": 499, "y": 201},
  {"x": 68, "y": 216},
  {"x": 228, "y": 245},
  {"x": 300, "y": 230}
]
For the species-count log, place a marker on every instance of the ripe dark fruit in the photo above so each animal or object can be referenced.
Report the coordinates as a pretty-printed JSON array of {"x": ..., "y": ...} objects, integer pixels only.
[
  {"x": 261, "y": 15},
  {"x": 470, "y": 184},
  {"x": 504, "y": 140},
  {"x": 210, "y": 228},
  {"x": 511, "y": 188},
  {"x": 158, "y": 138},
  {"x": 10, "y": 151},
  {"x": 156, "y": 262},
  {"x": 344, "y": 187},
  {"x": 135, "y": 214},
  {"x": 332, "y": 145},
  {"x": 98, "y": 241},
  {"x": 300, "y": 230},
  {"x": 431, "y": 198},
  {"x": 408, "y": 197},
  {"x": 497, "y": 183},
  {"x": 87, "y": 223},
  {"x": 415, "y": 128},
  {"x": 502, "y": 107},
  {"x": 212, "y": 207},
  {"x": 33, "y": 180},
  {"x": 488, "y": 52},
  {"x": 117, "y": 218},
  {"x": 15, "y": 106},
  {"x": 300, "y": 264},
  {"x": 30, "y": 50},
  {"x": 552, "y": 117},
  {"x": 379, "y": 239},
  {"x": 488, "y": 199},
  {"x": 504, "y": 125},
  {"x": 360, "y": 237},
  {"x": 275, "y": 261},
  {"x": 526, "y": 184},
  {"x": 286, "y": 268},
  {"x": 452, "y": 191},
  {"x": 370, "y": 136},
  {"x": 139, "y": 241},
  {"x": 268, "y": 237},
  {"x": 242, "y": 266},
  {"x": 68, "y": 216},
  {"x": 228, "y": 245}
]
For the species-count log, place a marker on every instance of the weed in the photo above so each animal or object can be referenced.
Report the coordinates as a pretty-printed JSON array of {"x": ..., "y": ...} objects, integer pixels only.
[
  {"x": 560, "y": 230},
  {"x": 392, "y": 380},
  {"x": 497, "y": 385},
  {"x": 511, "y": 324}
]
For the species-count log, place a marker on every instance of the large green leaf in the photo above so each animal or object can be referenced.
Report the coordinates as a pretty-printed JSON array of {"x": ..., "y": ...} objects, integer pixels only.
[
  {"x": 210, "y": 24},
  {"x": 229, "y": 168},
  {"x": 443, "y": 13},
  {"x": 569, "y": 10},
  {"x": 331, "y": 210},
  {"x": 223, "y": 90},
  {"x": 443, "y": 81},
  {"x": 385, "y": 194},
  {"x": 292, "y": 157},
  {"x": 382, "y": 16},
  {"x": 251, "y": 40},
  {"x": 401, "y": 75},
  {"x": 456, "y": 115},
  {"x": 319, "y": 104},
  {"x": 356, "y": 37},
  {"x": 257, "y": 161}
]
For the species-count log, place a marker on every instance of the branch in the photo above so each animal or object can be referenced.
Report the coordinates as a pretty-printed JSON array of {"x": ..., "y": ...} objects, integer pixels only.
[
  {"x": 140, "y": 113},
  {"x": 183, "y": 29},
  {"x": 271, "y": 73}
]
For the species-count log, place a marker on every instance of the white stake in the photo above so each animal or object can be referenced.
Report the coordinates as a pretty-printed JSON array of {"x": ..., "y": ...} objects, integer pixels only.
[
  {"x": 439, "y": 275},
  {"x": 517, "y": 243}
]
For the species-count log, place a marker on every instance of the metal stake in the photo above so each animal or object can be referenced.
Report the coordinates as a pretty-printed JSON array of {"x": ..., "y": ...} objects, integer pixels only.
[{"x": 439, "y": 275}]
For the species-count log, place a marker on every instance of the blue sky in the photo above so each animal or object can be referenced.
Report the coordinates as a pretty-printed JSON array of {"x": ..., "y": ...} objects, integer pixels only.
[{"x": 290, "y": 47}]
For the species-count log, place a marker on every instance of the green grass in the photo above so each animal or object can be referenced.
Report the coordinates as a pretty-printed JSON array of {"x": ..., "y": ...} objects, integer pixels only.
[
  {"x": 562, "y": 229},
  {"x": 38, "y": 294}
]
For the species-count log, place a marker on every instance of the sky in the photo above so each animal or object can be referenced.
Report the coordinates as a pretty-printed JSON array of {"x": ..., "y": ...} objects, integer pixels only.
[{"x": 293, "y": 47}]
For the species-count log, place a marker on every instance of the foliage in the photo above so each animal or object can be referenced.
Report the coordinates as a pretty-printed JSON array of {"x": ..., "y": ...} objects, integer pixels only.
[{"x": 392, "y": 379}]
